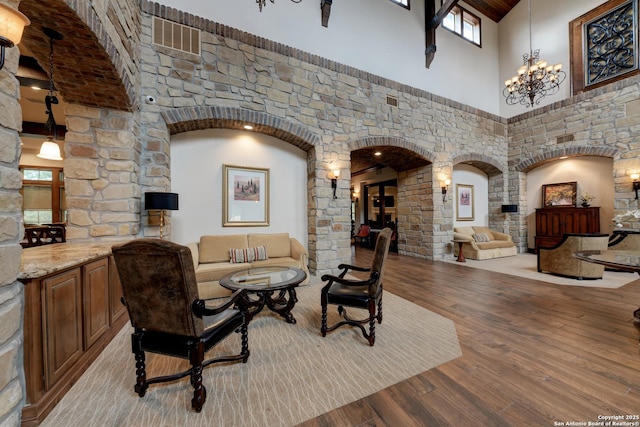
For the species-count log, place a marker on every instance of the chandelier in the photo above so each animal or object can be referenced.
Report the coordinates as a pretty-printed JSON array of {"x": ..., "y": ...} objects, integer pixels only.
[
  {"x": 535, "y": 80},
  {"x": 262, "y": 3}
]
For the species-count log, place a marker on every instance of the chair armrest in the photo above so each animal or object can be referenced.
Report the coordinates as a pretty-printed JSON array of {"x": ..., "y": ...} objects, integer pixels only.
[
  {"x": 500, "y": 236},
  {"x": 348, "y": 282},
  {"x": 299, "y": 252},
  {"x": 200, "y": 309},
  {"x": 461, "y": 236}
]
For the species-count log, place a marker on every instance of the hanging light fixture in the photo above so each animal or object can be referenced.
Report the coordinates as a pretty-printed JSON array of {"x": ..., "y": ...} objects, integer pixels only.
[
  {"x": 535, "y": 78},
  {"x": 50, "y": 149},
  {"x": 262, "y": 3},
  {"x": 12, "y": 23}
]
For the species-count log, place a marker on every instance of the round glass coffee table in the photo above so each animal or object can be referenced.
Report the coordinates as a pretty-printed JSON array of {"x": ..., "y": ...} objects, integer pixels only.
[{"x": 274, "y": 287}]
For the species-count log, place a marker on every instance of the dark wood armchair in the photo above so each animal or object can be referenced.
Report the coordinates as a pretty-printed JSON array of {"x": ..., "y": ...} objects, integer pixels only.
[
  {"x": 363, "y": 294},
  {"x": 43, "y": 235},
  {"x": 161, "y": 295}
]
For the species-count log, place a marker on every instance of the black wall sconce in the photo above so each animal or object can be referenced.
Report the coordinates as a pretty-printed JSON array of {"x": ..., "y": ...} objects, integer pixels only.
[
  {"x": 160, "y": 202},
  {"x": 636, "y": 183},
  {"x": 444, "y": 184},
  {"x": 334, "y": 181}
]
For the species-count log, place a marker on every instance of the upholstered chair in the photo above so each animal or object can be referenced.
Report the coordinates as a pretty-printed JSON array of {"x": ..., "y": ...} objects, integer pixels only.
[
  {"x": 364, "y": 234},
  {"x": 559, "y": 259},
  {"x": 363, "y": 294},
  {"x": 161, "y": 295}
]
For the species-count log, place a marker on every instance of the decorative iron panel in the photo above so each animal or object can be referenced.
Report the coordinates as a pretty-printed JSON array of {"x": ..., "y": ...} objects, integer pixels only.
[{"x": 611, "y": 44}]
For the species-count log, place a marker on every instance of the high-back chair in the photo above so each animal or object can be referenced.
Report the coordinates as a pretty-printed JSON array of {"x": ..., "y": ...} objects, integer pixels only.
[
  {"x": 364, "y": 234},
  {"x": 161, "y": 295},
  {"x": 364, "y": 294}
]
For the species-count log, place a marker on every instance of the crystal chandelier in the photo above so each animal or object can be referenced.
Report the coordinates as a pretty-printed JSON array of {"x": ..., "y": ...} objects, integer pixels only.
[
  {"x": 262, "y": 3},
  {"x": 535, "y": 78}
]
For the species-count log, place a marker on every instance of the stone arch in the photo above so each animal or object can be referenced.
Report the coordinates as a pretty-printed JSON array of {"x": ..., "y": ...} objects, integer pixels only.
[
  {"x": 187, "y": 119},
  {"x": 394, "y": 142},
  {"x": 485, "y": 163},
  {"x": 554, "y": 154},
  {"x": 83, "y": 81}
]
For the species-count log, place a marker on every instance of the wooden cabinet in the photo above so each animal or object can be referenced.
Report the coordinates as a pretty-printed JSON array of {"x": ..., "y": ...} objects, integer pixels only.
[
  {"x": 553, "y": 223},
  {"x": 62, "y": 313},
  {"x": 71, "y": 314}
]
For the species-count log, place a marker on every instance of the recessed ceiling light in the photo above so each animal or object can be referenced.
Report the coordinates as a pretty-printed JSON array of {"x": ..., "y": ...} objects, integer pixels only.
[
  {"x": 377, "y": 153},
  {"x": 248, "y": 127}
]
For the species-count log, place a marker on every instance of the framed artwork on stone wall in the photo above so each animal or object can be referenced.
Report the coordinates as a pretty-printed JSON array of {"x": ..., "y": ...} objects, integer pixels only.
[
  {"x": 559, "y": 195},
  {"x": 245, "y": 196},
  {"x": 464, "y": 202}
]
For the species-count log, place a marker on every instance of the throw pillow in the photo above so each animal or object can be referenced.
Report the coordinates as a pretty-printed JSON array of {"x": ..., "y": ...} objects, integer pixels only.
[
  {"x": 480, "y": 237},
  {"x": 238, "y": 256},
  {"x": 259, "y": 253}
]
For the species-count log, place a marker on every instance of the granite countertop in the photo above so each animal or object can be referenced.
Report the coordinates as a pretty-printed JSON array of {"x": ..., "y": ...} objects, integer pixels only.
[{"x": 39, "y": 261}]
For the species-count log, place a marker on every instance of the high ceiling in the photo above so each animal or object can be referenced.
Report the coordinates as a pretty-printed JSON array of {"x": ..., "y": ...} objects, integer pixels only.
[{"x": 493, "y": 9}]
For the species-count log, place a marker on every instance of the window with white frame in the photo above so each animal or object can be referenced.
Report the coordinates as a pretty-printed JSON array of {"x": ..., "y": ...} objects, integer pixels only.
[
  {"x": 404, "y": 3},
  {"x": 463, "y": 23}
]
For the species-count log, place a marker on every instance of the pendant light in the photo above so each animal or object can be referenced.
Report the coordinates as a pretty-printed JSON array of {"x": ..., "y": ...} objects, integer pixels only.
[{"x": 50, "y": 149}]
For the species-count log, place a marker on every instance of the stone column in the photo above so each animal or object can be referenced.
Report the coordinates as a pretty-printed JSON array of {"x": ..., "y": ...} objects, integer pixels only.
[
  {"x": 11, "y": 231},
  {"x": 101, "y": 170}
]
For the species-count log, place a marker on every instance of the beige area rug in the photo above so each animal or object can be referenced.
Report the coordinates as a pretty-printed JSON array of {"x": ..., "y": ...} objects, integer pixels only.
[
  {"x": 293, "y": 374},
  {"x": 526, "y": 265}
]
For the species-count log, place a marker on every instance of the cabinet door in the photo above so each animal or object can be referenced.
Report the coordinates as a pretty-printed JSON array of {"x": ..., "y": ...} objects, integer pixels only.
[
  {"x": 96, "y": 300},
  {"x": 115, "y": 292},
  {"x": 62, "y": 322}
]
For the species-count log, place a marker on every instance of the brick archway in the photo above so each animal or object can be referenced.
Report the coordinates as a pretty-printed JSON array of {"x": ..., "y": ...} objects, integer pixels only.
[{"x": 554, "y": 154}]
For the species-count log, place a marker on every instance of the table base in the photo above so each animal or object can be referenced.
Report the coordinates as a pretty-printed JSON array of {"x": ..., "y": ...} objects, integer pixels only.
[{"x": 280, "y": 302}]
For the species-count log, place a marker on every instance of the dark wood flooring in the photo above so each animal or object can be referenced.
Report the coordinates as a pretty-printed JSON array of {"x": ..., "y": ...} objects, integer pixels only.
[{"x": 533, "y": 353}]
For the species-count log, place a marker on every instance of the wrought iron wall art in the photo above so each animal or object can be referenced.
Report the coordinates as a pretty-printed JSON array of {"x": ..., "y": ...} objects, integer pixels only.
[{"x": 611, "y": 44}]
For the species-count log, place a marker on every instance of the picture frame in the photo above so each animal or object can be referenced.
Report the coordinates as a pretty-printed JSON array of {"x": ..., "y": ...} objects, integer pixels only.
[
  {"x": 245, "y": 196},
  {"x": 563, "y": 194},
  {"x": 464, "y": 202}
]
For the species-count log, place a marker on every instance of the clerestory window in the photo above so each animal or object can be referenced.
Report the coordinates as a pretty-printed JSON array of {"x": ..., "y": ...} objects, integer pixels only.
[
  {"x": 403, "y": 3},
  {"x": 463, "y": 23}
]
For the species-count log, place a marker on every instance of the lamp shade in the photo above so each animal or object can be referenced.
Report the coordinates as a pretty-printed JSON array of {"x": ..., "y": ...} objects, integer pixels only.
[
  {"x": 509, "y": 208},
  {"x": 12, "y": 23},
  {"x": 49, "y": 150},
  {"x": 161, "y": 201}
]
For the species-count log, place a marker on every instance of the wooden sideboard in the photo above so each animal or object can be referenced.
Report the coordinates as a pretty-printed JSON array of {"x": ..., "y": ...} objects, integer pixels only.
[
  {"x": 72, "y": 311},
  {"x": 553, "y": 223}
]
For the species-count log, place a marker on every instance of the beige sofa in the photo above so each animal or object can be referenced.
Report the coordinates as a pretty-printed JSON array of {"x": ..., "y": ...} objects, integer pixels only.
[
  {"x": 212, "y": 257},
  {"x": 497, "y": 244}
]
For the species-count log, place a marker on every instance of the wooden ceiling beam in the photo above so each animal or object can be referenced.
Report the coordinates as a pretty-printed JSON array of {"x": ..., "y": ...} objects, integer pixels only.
[{"x": 432, "y": 20}]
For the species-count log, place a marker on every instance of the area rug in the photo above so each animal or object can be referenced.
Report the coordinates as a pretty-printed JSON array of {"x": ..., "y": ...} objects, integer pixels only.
[
  {"x": 526, "y": 265},
  {"x": 293, "y": 373}
]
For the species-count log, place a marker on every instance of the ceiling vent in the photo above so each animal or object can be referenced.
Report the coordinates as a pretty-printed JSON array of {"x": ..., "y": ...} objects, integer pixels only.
[
  {"x": 392, "y": 101},
  {"x": 564, "y": 138},
  {"x": 176, "y": 36}
]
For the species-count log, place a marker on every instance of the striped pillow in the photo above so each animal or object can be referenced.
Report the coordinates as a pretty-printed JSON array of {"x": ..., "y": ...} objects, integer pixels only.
[{"x": 238, "y": 256}]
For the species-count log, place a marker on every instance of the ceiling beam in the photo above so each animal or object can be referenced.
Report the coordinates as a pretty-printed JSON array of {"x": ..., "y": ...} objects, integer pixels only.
[{"x": 432, "y": 20}]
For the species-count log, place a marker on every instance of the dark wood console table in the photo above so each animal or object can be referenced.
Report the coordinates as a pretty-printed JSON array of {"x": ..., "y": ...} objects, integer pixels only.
[{"x": 619, "y": 260}]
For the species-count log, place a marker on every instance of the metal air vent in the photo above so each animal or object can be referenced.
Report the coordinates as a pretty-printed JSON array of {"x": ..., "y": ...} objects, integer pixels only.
[
  {"x": 176, "y": 36},
  {"x": 392, "y": 101},
  {"x": 564, "y": 138}
]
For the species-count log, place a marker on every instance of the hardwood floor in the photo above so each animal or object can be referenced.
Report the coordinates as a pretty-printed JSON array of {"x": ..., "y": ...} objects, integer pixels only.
[{"x": 534, "y": 354}]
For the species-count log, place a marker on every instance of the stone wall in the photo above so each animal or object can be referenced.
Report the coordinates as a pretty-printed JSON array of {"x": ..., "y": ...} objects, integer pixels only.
[
  {"x": 279, "y": 87},
  {"x": 603, "y": 122},
  {"x": 11, "y": 291}
]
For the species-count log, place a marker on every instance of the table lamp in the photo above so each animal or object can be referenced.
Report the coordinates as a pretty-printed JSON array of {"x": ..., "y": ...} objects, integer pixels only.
[{"x": 155, "y": 201}]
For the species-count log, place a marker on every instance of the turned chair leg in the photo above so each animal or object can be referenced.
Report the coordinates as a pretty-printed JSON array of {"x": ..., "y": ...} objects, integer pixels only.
[
  {"x": 199, "y": 391},
  {"x": 141, "y": 374},
  {"x": 323, "y": 327}
]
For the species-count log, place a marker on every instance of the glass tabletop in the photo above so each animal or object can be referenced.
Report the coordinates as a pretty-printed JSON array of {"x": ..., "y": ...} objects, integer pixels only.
[
  {"x": 624, "y": 260},
  {"x": 263, "y": 278}
]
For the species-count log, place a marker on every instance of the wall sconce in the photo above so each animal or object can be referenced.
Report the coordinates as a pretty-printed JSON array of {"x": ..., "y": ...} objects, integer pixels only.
[
  {"x": 334, "y": 181},
  {"x": 12, "y": 24},
  {"x": 160, "y": 202},
  {"x": 445, "y": 187},
  {"x": 355, "y": 199},
  {"x": 636, "y": 183}
]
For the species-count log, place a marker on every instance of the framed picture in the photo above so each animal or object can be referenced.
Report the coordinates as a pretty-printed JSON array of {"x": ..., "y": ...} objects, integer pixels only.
[
  {"x": 245, "y": 193},
  {"x": 563, "y": 194},
  {"x": 464, "y": 202}
]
